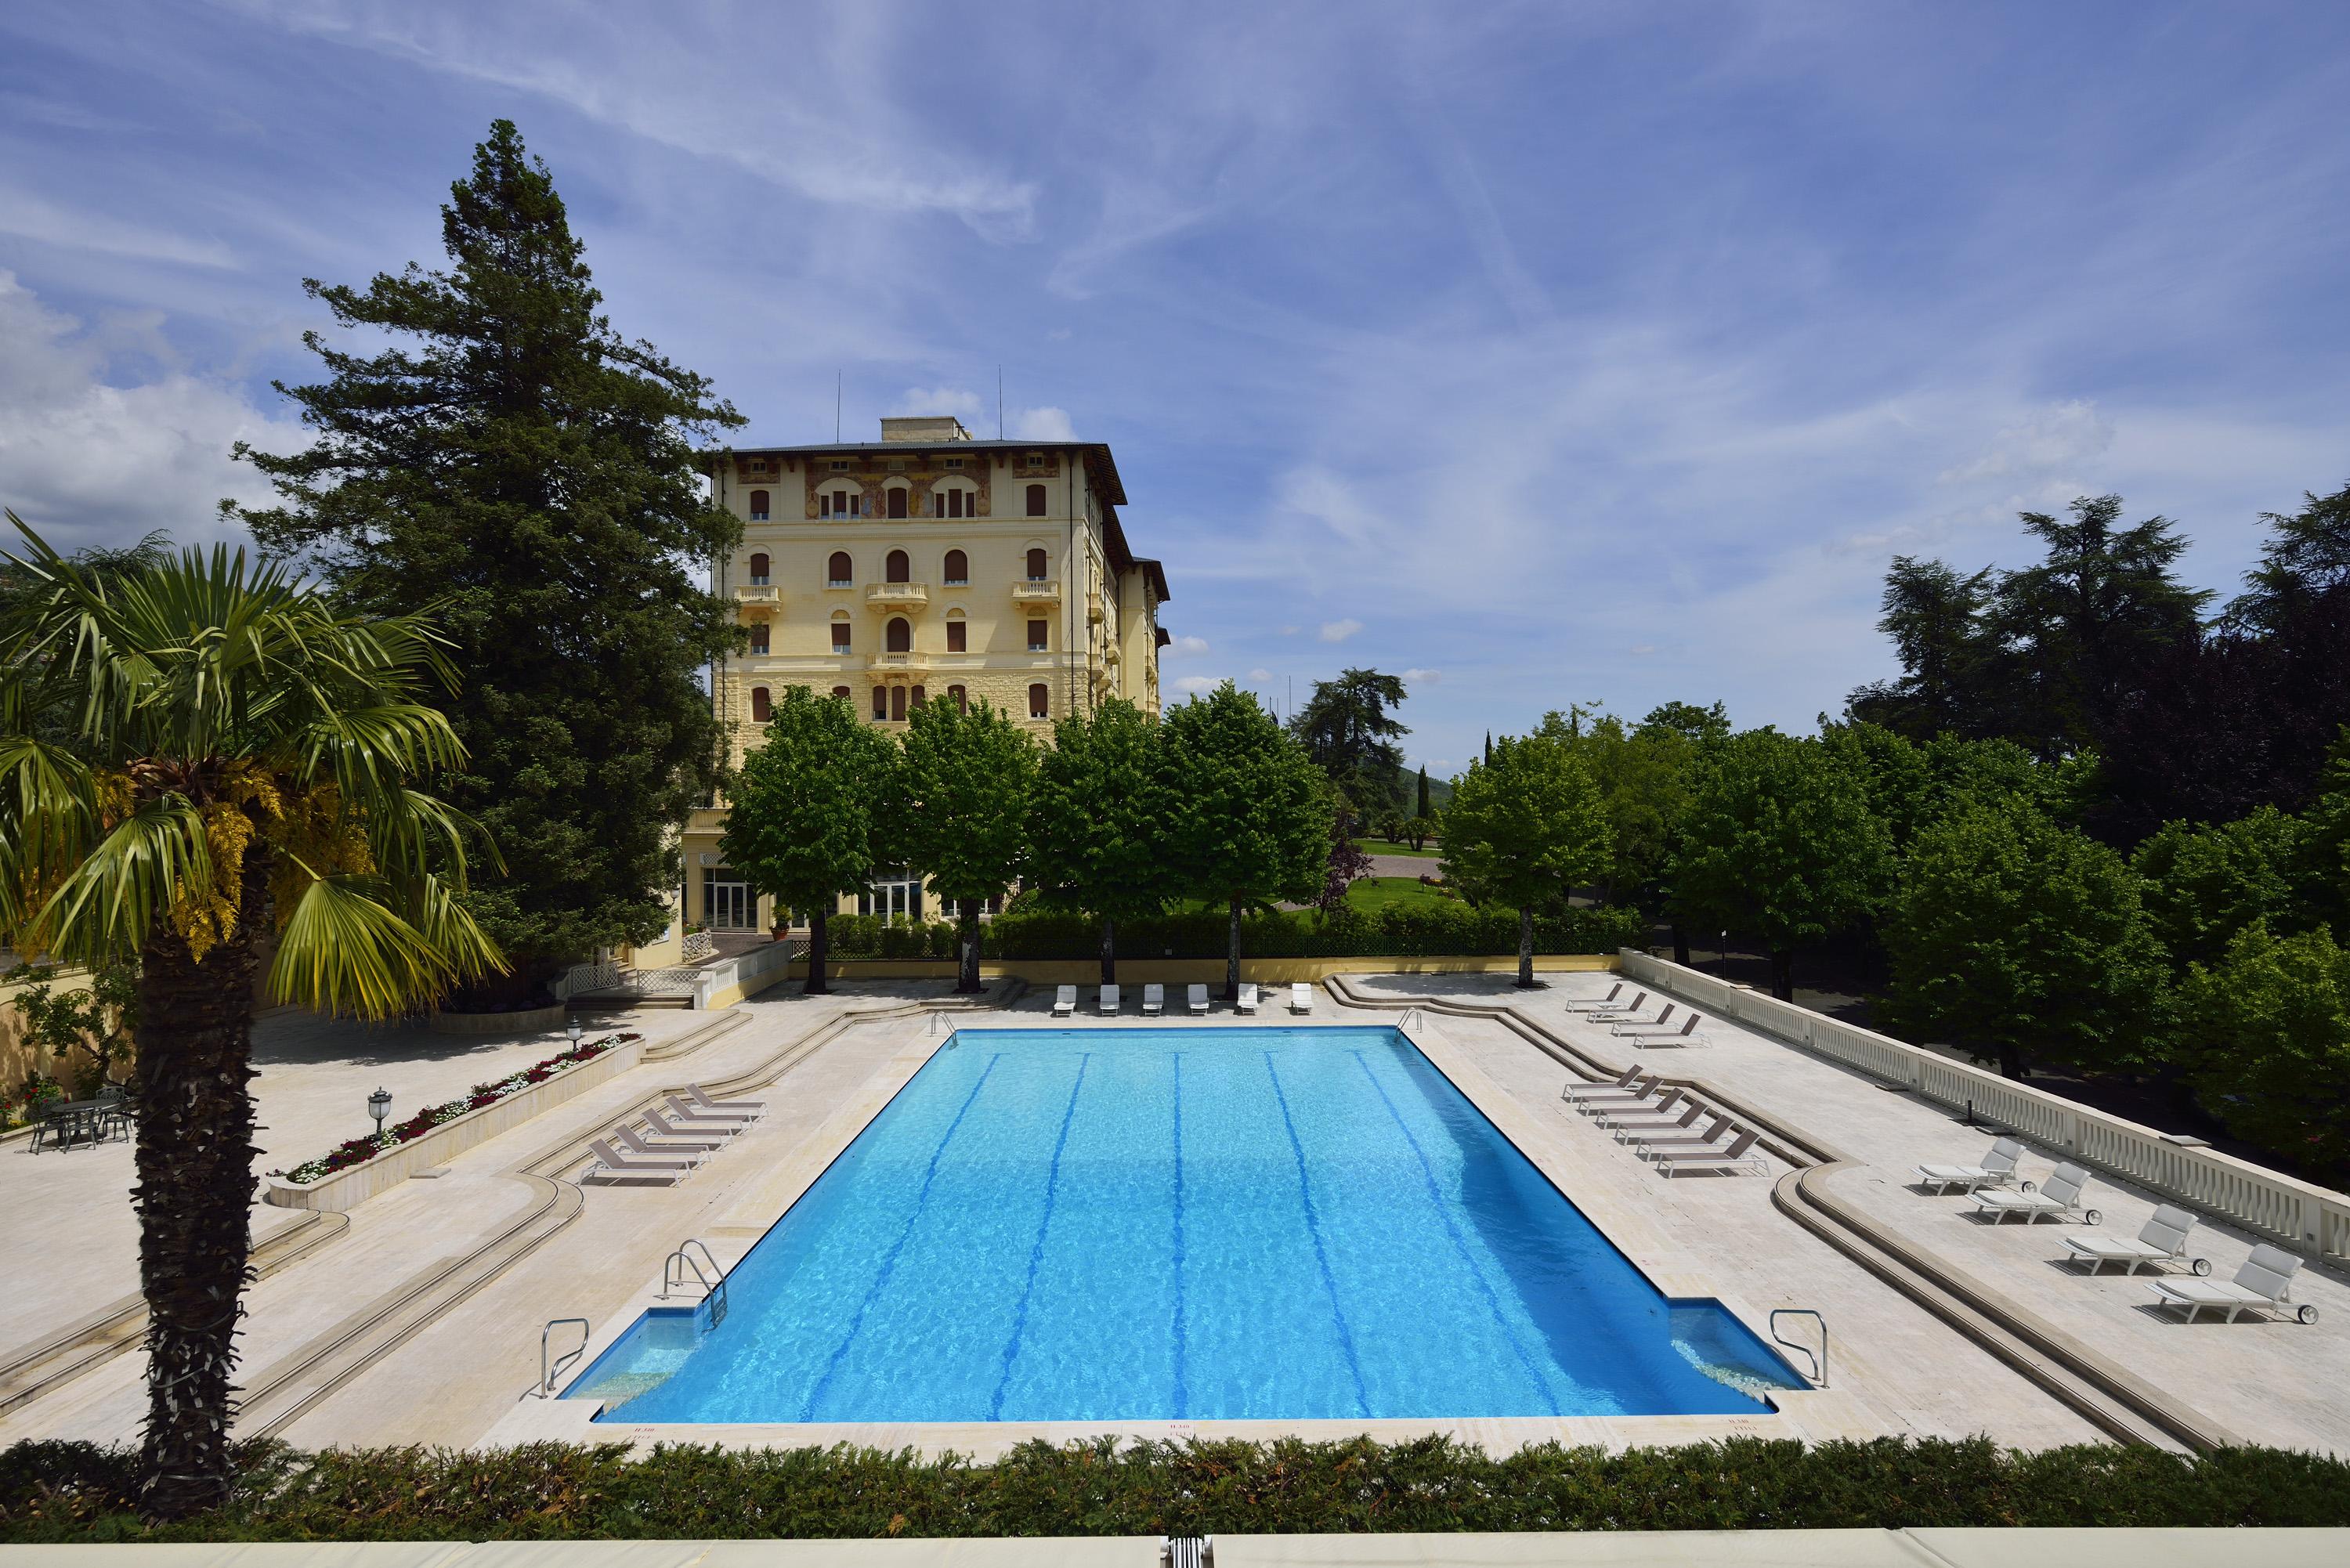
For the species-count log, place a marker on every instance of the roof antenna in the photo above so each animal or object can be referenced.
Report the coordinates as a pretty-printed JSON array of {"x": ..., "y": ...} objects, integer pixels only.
[
  {"x": 998, "y": 402},
  {"x": 836, "y": 404}
]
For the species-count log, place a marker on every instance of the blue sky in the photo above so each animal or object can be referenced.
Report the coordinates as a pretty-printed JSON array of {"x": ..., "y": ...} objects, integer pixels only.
[{"x": 1553, "y": 353}]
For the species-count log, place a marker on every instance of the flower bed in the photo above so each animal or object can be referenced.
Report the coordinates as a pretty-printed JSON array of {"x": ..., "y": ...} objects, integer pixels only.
[{"x": 360, "y": 1150}]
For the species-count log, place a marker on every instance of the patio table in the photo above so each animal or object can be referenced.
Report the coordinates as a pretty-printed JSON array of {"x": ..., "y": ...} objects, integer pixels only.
[{"x": 84, "y": 1120}]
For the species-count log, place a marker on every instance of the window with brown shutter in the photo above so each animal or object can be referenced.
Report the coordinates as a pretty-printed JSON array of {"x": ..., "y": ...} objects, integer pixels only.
[
  {"x": 759, "y": 706},
  {"x": 898, "y": 502},
  {"x": 917, "y": 697},
  {"x": 880, "y": 701},
  {"x": 898, "y": 703},
  {"x": 1035, "y": 501},
  {"x": 1036, "y": 565},
  {"x": 897, "y": 568},
  {"x": 958, "y": 567},
  {"x": 759, "y": 638},
  {"x": 837, "y": 573},
  {"x": 901, "y": 634},
  {"x": 758, "y": 506},
  {"x": 1040, "y": 701},
  {"x": 955, "y": 695},
  {"x": 955, "y": 636},
  {"x": 759, "y": 569},
  {"x": 1040, "y": 636},
  {"x": 840, "y": 636},
  {"x": 841, "y": 692}
]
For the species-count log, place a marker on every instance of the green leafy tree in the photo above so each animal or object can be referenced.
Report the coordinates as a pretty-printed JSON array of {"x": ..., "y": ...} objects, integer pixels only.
[
  {"x": 961, "y": 810},
  {"x": 2205, "y": 885},
  {"x": 1778, "y": 841},
  {"x": 1937, "y": 619},
  {"x": 246, "y": 772},
  {"x": 511, "y": 460},
  {"x": 1251, "y": 814},
  {"x": 807, "y": 812},
  {"x": 1099, "y": 822},
  {"x": 1420, "y": 829},
  {"x": 1642, "y": 776},
  {"x": 2024, "y": 941},
  {"x": 1523, "y": 828},
  {"x": 1692, "y": 723},
  {"x": 1347, "y": 730},
  {"x": 99, "y": 1015},
  {"x": 2273, "y": 1018},
  {"x": 2324, "y": 876}
]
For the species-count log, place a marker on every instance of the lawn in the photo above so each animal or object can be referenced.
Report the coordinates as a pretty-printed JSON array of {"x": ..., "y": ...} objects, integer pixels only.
[
  {"x": 1381, "y": 846},
  {"x": 1372, "y": 894}
]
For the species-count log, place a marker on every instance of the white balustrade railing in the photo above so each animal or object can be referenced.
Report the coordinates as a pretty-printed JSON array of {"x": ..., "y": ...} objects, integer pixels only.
[
  {"x": 2296, "y": 1213},
  {"x": 698, "y": 946}
]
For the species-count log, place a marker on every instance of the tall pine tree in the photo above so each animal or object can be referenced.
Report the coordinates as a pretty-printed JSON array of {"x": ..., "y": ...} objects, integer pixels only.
[{"x": 517, "y": 465}]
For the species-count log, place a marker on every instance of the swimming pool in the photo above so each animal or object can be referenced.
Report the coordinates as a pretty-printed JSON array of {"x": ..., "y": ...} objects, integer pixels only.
[{"x": 1186, "y": 1223}]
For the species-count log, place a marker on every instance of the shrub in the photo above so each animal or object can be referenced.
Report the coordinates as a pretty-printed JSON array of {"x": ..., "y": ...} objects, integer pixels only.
[
  {"x": 53, "y": 1492},
  {"x": 1432, "y": 931}
]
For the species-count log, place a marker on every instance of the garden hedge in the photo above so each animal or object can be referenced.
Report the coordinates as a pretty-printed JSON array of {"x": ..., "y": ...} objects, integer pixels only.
[
  {"x": 75, "y": 1491},
  {"x": 1394, "y": 932}
]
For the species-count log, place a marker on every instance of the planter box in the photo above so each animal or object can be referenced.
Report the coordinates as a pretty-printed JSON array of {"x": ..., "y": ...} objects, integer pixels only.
[
  {"x": 354, "y": 1185},
  {"x": 530, "y": 1020}
]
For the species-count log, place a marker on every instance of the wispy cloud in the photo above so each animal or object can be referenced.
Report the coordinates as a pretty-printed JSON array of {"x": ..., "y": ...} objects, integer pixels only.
[
  {"x": 1340, "y": 630},
  {"x": 1185, "y": 647}
]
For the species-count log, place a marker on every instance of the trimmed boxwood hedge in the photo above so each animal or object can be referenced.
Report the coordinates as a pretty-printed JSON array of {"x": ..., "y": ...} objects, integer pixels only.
[{"x": 75, "y": 1491}]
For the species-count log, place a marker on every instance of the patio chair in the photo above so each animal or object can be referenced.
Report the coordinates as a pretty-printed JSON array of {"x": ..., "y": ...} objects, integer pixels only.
[
  {"x": 1247, "y": 1003},
  {"x": 2265, "y": 1282},
  {"x": 1738, "y": 1157},
  {"x": 686, "y": 1113},
  {"x": 1196, "y": 998},
  {"x": 1154, "y": 1000},
  {"x": 1652, "y": 1095},
  {"x": 1997, "y": 1169},
  {"x": 1106, "y": 1002},
  {"x": 1660, "y": 1130},
  {"x": 2164, "y": 1240},
  {"x": 1630, "y": 1012},
  {"x": 1301, "y": 996},
  {"x": 1658, "y": 1022},
  {"x": 663, "y": 1127},
  {"x": 611, "y": 1165},
  {"x": 1596, "y": 1003},
  {"x": 692, "y": 1152},
  {"x": 1644, "y": 1112},
  {"x": 2059, "y": 1198},
  {"x": 1065, "y": 1002},
  {"x": 1686, "y": 1035},
  {"x": 701, "y": 1097},
  {"x": 1710, "y": 1140},
  {"x": 1623, "y": 1082}
]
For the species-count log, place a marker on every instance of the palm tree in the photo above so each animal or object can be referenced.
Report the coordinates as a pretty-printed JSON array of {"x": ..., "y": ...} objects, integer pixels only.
[{"x": 239, "y": 783}]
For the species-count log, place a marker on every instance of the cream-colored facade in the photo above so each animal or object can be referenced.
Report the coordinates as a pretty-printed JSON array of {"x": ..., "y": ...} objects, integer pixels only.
[{"x": 927, "y": 566}]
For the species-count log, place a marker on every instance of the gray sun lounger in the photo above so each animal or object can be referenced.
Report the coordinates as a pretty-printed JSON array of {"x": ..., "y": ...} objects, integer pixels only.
[
  {"x": 2164, "y": 1240},
  {"x": 1653, "y": 1095},
  {"x": 1686, "y": 1035},
  {"x": 1107, "y": 1001},
  {"x": 611, "y": 1165},
  {"x": 685, "y": 1112},
  {"x": 1154, "y": 1000},
  {"x": 1627, "y": 1110},
  {"x": 2265, "y": 1283},
  {"x": 1630, "y": 1012},
  {"x": 2059, "y": 1198},
  {"x": 1196, "y": 998},
  {"x": 1596, "y": 1003},
  {"x": 755, "y": 1109},
  {"x": 1622, "y": 1082},
  {"x": 694, "y": 1151},
  {"x": 1739, "y": 1155},
  {"x": 1065, "y": 1002},
  {"x": 1682, "y": 1134},
  {"x": 1634, "y": 1127},
  {"x": 1997, "y": 1169},
  {"x": 661, "y": 1128},
  {"x": 1637, "y": 1025}
]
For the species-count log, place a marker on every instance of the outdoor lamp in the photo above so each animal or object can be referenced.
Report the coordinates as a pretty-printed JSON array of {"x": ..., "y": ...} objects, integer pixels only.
[
  {"x": 379, "y": 1103},
  {"x": 572, "y": 1029}
]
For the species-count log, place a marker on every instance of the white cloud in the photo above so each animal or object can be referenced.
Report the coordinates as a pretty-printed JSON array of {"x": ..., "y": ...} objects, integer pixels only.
[
  {"x": 2060, "y": 436},
  {"x": 1641, "y": 650},
  {"x": 1291, "y": 630},
  {"x": 1259, "y": 676},
  {"x": 1198, "y": 685},
  {"x": 27, "y": 216},
  {"x": 86, "y": 461},
  {"x": 1046, "y": 424},
  {"x": 1339, "y": 630},
  {"x": 1186, "y": 647},
  {"x": 962, "y": 403},
  {"x": 1422, "y": 677}
]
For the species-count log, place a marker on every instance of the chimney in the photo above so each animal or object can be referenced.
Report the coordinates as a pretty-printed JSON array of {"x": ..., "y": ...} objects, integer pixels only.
[{"x": 927, "y": 429}]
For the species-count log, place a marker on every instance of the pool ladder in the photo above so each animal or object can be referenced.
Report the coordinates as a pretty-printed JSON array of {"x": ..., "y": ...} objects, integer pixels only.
[
  {"x": 1819, "y": 1361},
  {"x": 681, "y": 1263},
  {"x": 563, "y": 1363}
]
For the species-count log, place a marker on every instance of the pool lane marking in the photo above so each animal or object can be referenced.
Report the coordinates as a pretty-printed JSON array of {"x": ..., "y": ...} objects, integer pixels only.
[
  {"x": 1460, "y": 1243},
  {"x": 1182, "y": 1393},
  {"x": 1036, "y": 1247},
  {"x": 1313, "y": 1230},
  {"x": 890, "y": 1259}
]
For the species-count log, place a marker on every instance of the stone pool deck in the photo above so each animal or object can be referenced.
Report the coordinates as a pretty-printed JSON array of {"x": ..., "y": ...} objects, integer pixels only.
[{"x": 421, "y": 1320}]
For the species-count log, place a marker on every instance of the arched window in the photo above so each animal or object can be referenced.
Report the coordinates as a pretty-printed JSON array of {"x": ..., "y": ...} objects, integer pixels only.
[
  {"x": 841, "y": 692},
  {"x": 957, "y": 635},
  {"x": 897, "y": 568},
  {"x": 1035, "y": 501},
  {"x": 760, "y": 707},
  {"x": 898, "y": 702},
  {"x": 759, "y": 637},
  {"x": 955, "y": 501},
  {"x": 758, "y": 506},
  {"x": 1036, "y": 565},
  {"x": 957, "y": 567},
  {"x": 898, "y": 500},
  {"x": 955, "y": 696},
  {"x": 759, "y": 568},
  {"x": 1040, "y": 701},
  {"x": 880, "y": 701},
  {"x": 837, "y": 571},
  {"x": 917, "y": 697},
  {"x": 838, "y": 502},
  {"x": 841, "y": 634},
  {"x": 901, "y": 634}
]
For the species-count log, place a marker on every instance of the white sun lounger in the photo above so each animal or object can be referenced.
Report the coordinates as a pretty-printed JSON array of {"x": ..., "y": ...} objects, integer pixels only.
[
  {"x": 663, "y": 1127},
  {"x": 692, "y": 1152},
  {"x": 2059, "y": 1198},
  {"x": 701, "y": 1097},
  {"x": 1106, "y": 1002},
  {"x": 1247, "y": 1003},
  {"x": 1596, "y": 1003},
  {"x": 2265, "y": 1282},
  {"x": 1997, "y": 1169},
  {"x": 1196, "y": 998},
  {"x": 2164, "y": 1240},
  {"x": 1658, "y": 1022},
  {"x": 1739, "y": 1155},
  {"x": 1065, "y": 1000},
  {"x": 1301, "y": 997},
  {"x": 1154, "y": 1000},
  {"x": 1630, "y": 1012},
  {"x": 611, "y": 1165},
  {"x": 687, "y": 1113},
  {"x": 1686, "y": 1035}
]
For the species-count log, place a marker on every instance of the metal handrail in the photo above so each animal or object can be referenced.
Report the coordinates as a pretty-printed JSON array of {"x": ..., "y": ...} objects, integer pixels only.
[
  {"x": 713, "y": 1290},
  {"x": 1819, "y": 1361},
  {"x": 1409, "y": 1015},
  {"x": 548, "y": 1374}
]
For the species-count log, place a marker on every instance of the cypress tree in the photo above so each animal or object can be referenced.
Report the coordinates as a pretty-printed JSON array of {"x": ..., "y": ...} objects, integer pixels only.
[
  {"x": 1422, "y": 810},
  {"x": 513, "y": 463}
]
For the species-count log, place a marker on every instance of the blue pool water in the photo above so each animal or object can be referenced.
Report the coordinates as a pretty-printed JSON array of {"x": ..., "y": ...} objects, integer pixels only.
[{"x": 1202, "y": 1223}]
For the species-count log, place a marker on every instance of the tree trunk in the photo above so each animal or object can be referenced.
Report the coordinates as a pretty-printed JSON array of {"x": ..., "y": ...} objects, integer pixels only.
[
  {"x": 1232, "y": 958},
  {"x": 967, "y": 972},
  {"x": 2011, "y": 1063},
  {"x": 1782, "y": 974},
  {"x": 1526, "y": 949},
  {"x": 817, "y": 950},
  {"x": 193, "y": 1196},
  {"x": 1680, "y": 945},
  {"x": 1109, "y": 951}
]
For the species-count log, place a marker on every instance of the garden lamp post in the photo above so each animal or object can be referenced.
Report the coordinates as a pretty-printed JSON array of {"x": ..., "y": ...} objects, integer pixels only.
[
  {"x": 572, "y": 1029},
  {"x": 378, "y": 1104}
]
